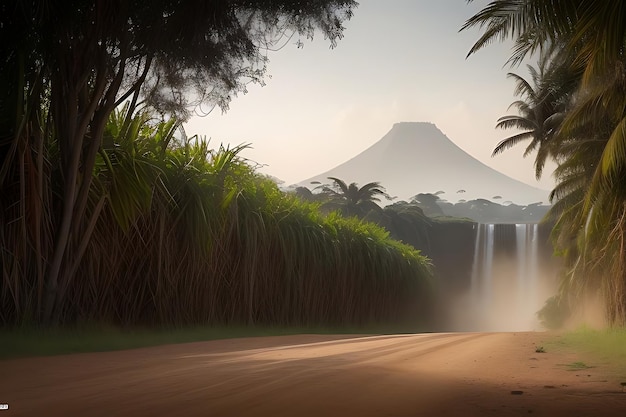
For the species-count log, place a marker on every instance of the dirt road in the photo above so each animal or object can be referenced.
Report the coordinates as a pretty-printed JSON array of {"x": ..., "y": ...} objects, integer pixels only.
[{"x": 464, "y": 374}]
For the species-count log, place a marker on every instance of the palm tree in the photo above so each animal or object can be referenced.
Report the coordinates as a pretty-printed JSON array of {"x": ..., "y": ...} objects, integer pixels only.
[
  {"x": 594, "y": 31},
  {"x": 541, "y": 107},
  {"x": 309, "y": 195},
  {"x": 591, "y": 196},
  {"x": 592, "y": 36},
  {"x": 352, "y": 200},
  {"x": 589, "y": 141}
]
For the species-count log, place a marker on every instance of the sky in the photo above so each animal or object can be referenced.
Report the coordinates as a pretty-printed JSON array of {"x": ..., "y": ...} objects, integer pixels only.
[{"x": 399, "y": 61}]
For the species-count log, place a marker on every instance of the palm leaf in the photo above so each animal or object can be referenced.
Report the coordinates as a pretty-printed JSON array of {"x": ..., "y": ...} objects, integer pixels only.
[
  {"x": 511, "y": 141},
  {"x": 614, "y": 155},
  {"x": 523, "y": 87},
  {"x": 516, "y": 122}
]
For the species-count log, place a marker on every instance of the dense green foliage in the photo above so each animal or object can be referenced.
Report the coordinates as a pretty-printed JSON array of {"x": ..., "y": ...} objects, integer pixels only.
[
  {"x": 191, "y": 235},
  {"x": 405, "y": 222},
  {"x": 574, "y": 112},
  {"x": 65, "y": 66}
]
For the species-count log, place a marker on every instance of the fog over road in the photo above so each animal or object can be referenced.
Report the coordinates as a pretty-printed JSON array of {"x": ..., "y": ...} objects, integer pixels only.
[{"x": 465, "y": 374}]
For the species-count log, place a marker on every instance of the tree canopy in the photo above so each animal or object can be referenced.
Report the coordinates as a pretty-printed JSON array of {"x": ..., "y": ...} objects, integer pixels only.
[
  {"x": 66, "y": 65},
  {"x": 166, "y": 47}
]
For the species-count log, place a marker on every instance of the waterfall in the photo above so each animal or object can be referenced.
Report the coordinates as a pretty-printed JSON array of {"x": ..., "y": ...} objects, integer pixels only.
[
  {"x": 504, "y": 283},
  {"x": 521, "y": 237},
  {"x": 533, "y": 274},
  {"x": 476, "y": 264}
]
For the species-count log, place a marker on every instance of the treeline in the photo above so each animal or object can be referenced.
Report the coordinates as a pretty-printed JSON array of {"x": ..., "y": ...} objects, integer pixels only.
[{"x": 481, "y": 210}]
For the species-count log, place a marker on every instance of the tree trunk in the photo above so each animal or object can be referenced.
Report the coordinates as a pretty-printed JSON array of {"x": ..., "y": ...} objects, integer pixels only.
[{"x": 76, "y": 119}]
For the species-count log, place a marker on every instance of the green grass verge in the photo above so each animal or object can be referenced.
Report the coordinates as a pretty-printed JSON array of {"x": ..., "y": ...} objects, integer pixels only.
[
  {"x": 27, "y": 342},
  {"x": 602, "y": 346}
]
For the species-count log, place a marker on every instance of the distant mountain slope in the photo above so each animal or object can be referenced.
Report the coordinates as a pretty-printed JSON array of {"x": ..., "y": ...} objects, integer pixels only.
[{"x": 416, "y": 157}]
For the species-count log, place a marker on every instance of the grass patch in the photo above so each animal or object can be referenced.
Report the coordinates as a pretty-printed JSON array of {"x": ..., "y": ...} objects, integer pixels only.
[
  {"x": 607, "y": 343},
  {"x": 27, "y": 342},
  {"x": 577, "y": 366},
  {"x": 599, "y": 346}
]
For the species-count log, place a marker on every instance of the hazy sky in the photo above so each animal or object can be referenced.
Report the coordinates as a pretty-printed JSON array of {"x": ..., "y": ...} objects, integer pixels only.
[{"x": 400, "y": 60}]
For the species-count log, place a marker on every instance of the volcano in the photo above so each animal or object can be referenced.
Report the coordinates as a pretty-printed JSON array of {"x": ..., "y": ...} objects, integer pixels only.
[{"x": 416, "y": 157}]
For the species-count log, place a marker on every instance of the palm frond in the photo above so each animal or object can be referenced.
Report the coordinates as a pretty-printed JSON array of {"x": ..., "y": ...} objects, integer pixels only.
[
  {"x": 516, "y": 122},
  {"x": 522, "y": 107},
  {"x": 511, "y": 141},
  {"x": 339, "y": 184},
  {"x": 522, "y": 87},
  {"x": 613, "y": 160}
]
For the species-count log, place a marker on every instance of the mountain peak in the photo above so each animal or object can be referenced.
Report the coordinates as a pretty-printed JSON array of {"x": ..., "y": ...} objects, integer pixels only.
[
  {"x": 415, "y": 127},
  {"x": 414, "y": 124},
  {"x": 421, "y": 132}
]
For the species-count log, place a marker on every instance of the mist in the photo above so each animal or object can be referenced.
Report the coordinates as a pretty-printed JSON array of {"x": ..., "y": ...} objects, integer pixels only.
[
  {"x": 513, "y": 274},
  {"x": 507, "y": 305}
]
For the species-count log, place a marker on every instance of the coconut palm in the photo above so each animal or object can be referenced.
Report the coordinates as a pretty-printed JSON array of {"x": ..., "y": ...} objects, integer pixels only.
[
  {"x": 590, "y": 142},
  {"x": 352, "y": 200},
  {"x": 541, "y": 106},
  {"x": 594, "y": 31},
  {"x": 591, "y": 194},
  {"x": 309, "y": 195},
  {"x": 592, "y": 36}
]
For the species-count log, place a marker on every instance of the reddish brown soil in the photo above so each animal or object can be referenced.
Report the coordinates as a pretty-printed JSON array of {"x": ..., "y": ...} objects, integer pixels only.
[{"x": 458, "y": 374}]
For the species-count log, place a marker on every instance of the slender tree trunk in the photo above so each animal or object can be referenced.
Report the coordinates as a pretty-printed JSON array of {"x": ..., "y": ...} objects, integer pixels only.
[
  {"x": 65, "y": 114},
  {"x": 74, "y": 122}
]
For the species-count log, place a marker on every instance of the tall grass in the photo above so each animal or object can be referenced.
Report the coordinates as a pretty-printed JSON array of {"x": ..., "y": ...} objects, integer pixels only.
[
  {"x": 190, "y": 235},
  {"x": 271, "y": 260}
]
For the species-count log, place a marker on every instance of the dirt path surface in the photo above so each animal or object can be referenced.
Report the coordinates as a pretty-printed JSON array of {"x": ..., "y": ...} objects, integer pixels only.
[{"x": 453, "y": 374}]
